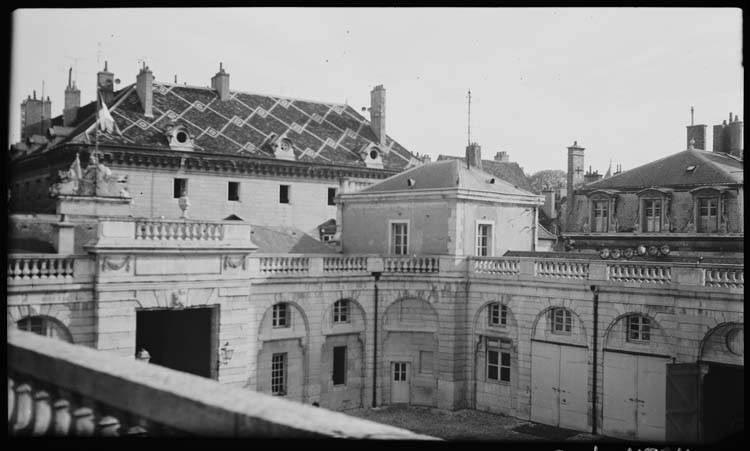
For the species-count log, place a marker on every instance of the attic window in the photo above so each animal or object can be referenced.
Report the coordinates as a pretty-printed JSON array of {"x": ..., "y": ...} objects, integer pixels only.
[
  {"x": 411, "y": 182},
  {"x": 181, "y": 137},
  {"x": 374, "y": 154},
  {"x": 690, "y": 169}
]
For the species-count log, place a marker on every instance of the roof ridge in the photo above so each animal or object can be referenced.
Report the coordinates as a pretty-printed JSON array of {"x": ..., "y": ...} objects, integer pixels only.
[{"x": 251, "y": 93}]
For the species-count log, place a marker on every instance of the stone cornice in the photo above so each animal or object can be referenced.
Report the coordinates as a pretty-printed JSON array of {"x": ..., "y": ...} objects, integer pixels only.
[{"x": 121, "y": 157}]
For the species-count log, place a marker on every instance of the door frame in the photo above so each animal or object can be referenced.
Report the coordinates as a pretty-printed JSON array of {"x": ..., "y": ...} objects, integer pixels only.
[{"x": 409, "y": 368}]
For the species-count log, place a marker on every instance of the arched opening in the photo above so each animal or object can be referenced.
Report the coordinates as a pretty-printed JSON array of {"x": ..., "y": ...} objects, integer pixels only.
[{"x": 45, "y": 326}]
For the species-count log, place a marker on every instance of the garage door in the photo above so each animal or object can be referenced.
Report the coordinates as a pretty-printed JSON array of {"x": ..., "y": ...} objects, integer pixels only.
[
  {"x": 559, "y": 385},
  {"x": 634, "y": 396}
]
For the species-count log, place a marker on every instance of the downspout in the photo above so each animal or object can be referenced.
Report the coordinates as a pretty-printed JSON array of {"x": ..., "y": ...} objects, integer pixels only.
[
  {"x": 375, "y": 343},
  {"x": 595, "y": 290}
]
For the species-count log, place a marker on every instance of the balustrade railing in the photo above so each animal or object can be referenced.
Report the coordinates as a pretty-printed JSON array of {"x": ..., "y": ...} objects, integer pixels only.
[
  {"x": 561, "y": 269},
  {"x": 724, "y": 277},
  {"x": 412, "y": 264},
  {"x": 156, "y": 230},
  {"x": 284, "y": 265},
  {"x": 341, "y": 264},
  {"x": 57, "y": 388},
  {"x": 504, "y": 266},
  {"x": 49, "y": 267},
  {"x": 639, "y": 273}
]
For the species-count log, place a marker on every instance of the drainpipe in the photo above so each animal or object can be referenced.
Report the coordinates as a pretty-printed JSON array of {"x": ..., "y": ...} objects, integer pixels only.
[
  {"x": 595, "y": 290},
  {"x": 375, "y": 343}
]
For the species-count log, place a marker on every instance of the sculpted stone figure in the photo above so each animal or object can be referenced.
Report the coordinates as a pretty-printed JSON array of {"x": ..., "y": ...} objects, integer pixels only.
[{"x": 96, "y": 180}]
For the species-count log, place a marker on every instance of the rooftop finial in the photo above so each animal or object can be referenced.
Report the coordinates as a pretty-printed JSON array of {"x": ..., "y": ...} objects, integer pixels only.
[{"x": 692, "y": 143}]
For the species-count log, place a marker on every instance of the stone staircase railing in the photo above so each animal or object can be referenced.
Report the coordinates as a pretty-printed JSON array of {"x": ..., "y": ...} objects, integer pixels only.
[{"x": 59, "y": 389}]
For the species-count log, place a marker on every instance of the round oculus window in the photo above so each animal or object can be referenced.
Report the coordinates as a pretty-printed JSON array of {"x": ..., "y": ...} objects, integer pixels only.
[
  {"x": 373, "y": 154},
  {"x": 181, "y": 137}
]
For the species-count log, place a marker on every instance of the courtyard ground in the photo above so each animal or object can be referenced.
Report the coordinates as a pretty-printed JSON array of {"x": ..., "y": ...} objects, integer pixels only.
[{"x": 467, "y": 424}]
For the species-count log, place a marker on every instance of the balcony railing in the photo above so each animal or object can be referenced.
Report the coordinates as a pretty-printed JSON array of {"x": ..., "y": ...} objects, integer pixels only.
[
  {"x": 406, "y": 265},
  {"x": 724, "y": 277},
  {"x": 344, "y": 264},
  {"x": 156, "y": 230},
  {"x": 40, "y": 267},
  {"x": 284, "y": 265},
  {"x": 56, "y": 388},
  {"x": 562, "y": 269},
  {"x": 504, "y": 266},
  {"x": 660, "y": 274}
]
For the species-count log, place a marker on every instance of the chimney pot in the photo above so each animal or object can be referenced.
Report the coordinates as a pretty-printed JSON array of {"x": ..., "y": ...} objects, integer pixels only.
[
  {"x": 377, "y": 113},
  {"x": 220, "y": 83},
  {"x": 474, "y": 155},
  {"x": 144, "y": 86}
]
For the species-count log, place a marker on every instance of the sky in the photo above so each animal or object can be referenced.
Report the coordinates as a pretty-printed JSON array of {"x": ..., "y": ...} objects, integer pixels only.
[{"x": 619, "y": 81}]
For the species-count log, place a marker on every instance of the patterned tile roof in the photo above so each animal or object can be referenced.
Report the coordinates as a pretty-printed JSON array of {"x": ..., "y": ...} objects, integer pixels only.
[
  {"x": 319, "y": 132},
  {"x": 511, "y": 172},
  {"x": 709, "y": 168}
]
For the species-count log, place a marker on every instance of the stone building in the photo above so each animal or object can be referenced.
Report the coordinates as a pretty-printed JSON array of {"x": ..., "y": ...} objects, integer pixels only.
[
  {"x": 690, "y": 201},
  {"x": 455, "y": 310},
  {"x": 278, "y": 160}
]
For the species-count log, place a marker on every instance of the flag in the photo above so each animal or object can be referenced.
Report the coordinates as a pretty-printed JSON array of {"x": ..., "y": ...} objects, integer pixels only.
[{"x": 104, "y": 118}]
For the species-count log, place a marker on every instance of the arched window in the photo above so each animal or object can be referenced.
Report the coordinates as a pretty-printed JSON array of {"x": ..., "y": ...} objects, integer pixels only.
[
  {"x": 497, "y": 314},
  {"x": 45, "y": 326}
]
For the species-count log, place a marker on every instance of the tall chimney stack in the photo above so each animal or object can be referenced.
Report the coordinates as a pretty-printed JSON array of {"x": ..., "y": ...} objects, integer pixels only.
[
  {"x": 106, "y": 84},
  {"x": 575, "y": 168},
  {"x": 474, "y": 156},
  {"x": 144, "y": 87},
  {"x": 72, "y": 101},
  {"x": 696, "y": 133},
  {"x": 35, "y": 116},
  {"x": 220, "y": 83},
  {"x": 377, "y": 112}
]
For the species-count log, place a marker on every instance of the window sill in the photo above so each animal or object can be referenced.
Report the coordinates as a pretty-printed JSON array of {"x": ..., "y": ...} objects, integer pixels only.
[{"x": 497, "y": 382}]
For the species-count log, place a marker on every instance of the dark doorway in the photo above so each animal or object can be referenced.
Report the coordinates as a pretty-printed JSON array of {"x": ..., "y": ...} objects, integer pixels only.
[
  {"x": 723, "y": 401},
  {"x": 183, "y": 340}
]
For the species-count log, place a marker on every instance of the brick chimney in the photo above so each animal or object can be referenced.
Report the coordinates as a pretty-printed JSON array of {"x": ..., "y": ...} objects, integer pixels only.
[
  {"x": 377, "y": 112},
  {"x": 549, "y": 203},
  {"x": 220, "y": 83},
  {"x": 35, "y": 116},
  {"x": 144, "y": 86},
  {"x": 105, "y": 81},
  {"x": 699, "y": 134},
  {"x": 474, "y": 155},
  {"x": 575, "y": 168},
  {"x": 728, "y": 137},
  {"x": 502, "y": 157},
  {"x": 72, "y": 101}
]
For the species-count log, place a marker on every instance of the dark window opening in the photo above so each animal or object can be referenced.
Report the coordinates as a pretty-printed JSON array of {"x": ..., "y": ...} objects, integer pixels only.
[
  {"x": 233, "y": 192},
  {"x": 331, "y": 196},
  {"x": 181, "y": 137},
  {"x": 278, "y": 374},
  {"x": 180, "y": 188},
  {"x": 280, "y": 316},
  {"x": 339, "y": 365},
  {"x": 284, "y": 194}
]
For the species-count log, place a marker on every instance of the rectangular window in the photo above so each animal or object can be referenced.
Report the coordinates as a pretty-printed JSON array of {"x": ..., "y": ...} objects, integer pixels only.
[
  {"x": 331, "y": 196},
  {"x": 498, "y": 365},
  {"x": 233, "y": 191},
  {"x": 399, "y": 371},
  {"x": 399, "y": 238},
  {"x": 280, "y": 315},
  {"x": 278, "y": 374},
  {"x": 341, "y": 312},
  {"x": 339, "y": 365},
  {"x": 484, "y": 240},
  {"x": 601, "y": 216},
  {"x": 652, "y": 215},
  {"x": 709, "y": 215},
  {"x": 284, "y": 194},
  {"x": 562, "y": 322},
  {"x": 180, "y": 188},
  {"x": 425, "y": 362},
  {"x": 639, "y": 328},
  {"x": 505, "y": 367},
  {"x": 498, "y": 315}
]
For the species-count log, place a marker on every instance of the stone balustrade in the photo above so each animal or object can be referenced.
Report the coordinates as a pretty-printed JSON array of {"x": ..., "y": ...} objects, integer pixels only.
[
  {"x": 498, "y": 266},
  {"x": 40, "y": 267},
  {"x": 59, "y": 389},
  {"x": 728, "y": 277},
  {"x": 284, "y": 265},
  {"x": 410, "y": 265},
  {"x": 345, "y": 264},
  {"x": 640, "y": 273},
  {"x": 156, "y": 230},
  {"x": 562, "y": 269}
]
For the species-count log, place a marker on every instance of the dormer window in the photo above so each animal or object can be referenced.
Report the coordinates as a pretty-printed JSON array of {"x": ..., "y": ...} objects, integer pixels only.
[
  {"x": 654, "y": 210},
  {"x": 372, "y": 155},
  {"x": 602, "y": 215},
  {"x": 179, "y": 137},
  {"x": 709, "y": 209},
  {"x": 281, "y": 146}
]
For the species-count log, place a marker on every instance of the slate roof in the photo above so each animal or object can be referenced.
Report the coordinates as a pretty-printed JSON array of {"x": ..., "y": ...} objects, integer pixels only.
[
  {"x": 445, "y": 174},
  {"x": 710, "y": 169},
  {"x": 320, "y": 132},
  {"x": 509, "y": 171},
  {"x": 545, "y": 234},
  {"x": 286, "y": 240}
]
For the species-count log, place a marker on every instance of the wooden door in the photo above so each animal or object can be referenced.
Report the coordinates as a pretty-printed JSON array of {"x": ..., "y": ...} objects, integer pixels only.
[
  {"x": 545, "y": 379},
  {"x": 400, "y": 382},
  {"x": 559, "y": 385}
]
